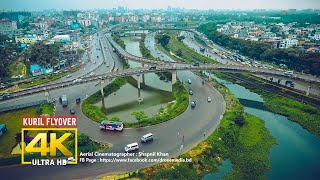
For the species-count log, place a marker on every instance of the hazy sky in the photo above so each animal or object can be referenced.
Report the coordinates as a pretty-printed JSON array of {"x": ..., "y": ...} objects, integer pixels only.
[{"x": 155, "y": 4}]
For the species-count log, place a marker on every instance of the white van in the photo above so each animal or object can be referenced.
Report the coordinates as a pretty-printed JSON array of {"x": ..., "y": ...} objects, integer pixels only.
[
  {"x": 147, "y": 137},
  {"x": 131, "y": 147}
]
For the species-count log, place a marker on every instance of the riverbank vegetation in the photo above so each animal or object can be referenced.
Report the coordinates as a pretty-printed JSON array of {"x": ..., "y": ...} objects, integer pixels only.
[
  {"x": 247, "y": 145},
  {"x": 144, "y": 51},
  {"x": 182, "y": 53},
  {"x": 304, "y": 114},
  {"x": 116, "y": 38}
]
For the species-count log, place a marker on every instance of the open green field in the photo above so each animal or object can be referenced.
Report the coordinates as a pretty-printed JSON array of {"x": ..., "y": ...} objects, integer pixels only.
[{"x": 13, "y": 122}]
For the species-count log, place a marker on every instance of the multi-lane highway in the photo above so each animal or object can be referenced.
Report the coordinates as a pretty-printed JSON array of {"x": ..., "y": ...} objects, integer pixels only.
[{"x": 186, "y": 130}]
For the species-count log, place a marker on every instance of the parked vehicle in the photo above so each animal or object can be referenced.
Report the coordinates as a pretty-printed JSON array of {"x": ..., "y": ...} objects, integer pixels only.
[
  {"x": 190, "y": 92},
  {"x": 209, "y": 99},
  {"x": 64, "y": 100},
  {"x": 131, "y": 147},
  {"x": 147, "y": 137},
  {"x": 109, "y": 125},
  {"x": 78, "y": 100},
  {"x": 193, "y": 104}
]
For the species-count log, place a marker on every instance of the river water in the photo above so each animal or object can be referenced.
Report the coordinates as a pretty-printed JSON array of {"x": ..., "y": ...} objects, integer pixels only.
[
  {"x": 125, "y": 101},
  {"x": 297, "y": 152}
]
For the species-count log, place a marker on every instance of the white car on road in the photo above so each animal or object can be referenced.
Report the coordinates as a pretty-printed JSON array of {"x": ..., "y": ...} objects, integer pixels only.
[{"x": 209, "y": 99}]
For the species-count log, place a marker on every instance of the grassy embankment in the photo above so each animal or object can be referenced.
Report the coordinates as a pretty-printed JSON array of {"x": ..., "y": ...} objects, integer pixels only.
[
  {"x": 246, "y": 145},
  {"x": 118, "y": 40},
  {"x": 12, "y": 120},
  {"x": 171, "y": 111},
  {"x": 144, "y": 51},
  {"x": 188, "y": 54},
  {"x": 305, "y": 115}
]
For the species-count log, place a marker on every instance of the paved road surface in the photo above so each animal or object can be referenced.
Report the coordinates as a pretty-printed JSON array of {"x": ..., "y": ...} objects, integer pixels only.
[{"x": 186, "y": 129}]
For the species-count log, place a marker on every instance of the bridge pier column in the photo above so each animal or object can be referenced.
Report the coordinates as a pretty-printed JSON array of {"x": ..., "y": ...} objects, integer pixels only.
[
  {"x": 143, "y": 80},
  {"x": 174, "y": 77},
  {"x": 102, "y": 95},
  {"x": 308, "y": 91},
  {"x": 139, "y": 86}
]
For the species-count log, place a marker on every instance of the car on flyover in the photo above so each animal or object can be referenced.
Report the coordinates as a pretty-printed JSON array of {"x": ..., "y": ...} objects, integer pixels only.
[{"x": 110, "y": 125}]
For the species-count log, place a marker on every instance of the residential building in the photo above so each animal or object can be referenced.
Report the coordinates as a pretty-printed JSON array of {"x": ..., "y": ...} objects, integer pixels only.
[
  {"x": 85, "y": 22},
  {"x": 287, "y": 43},
  {"x": 8, "y": 27}
]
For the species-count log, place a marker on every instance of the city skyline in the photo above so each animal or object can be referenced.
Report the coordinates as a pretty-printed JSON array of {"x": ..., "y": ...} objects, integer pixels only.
[{"x": 35, "y": 5}]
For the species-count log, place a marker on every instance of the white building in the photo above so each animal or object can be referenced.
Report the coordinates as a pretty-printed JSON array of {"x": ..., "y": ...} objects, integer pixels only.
[
  {"x": 287, "y": 43},
  {"x": 85, "y": 22},
  {"x": 8, "y": 27},
  {"x": 316, "y": 36}
]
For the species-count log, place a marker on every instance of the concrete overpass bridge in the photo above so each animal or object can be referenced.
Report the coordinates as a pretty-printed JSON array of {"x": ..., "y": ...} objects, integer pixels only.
[
  {"x": 232, "y": 68},
  {"x": 173, "y": 68}
]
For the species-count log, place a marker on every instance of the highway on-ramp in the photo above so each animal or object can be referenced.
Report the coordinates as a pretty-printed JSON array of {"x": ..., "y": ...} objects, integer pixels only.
[{"x": 187, "y": 130}]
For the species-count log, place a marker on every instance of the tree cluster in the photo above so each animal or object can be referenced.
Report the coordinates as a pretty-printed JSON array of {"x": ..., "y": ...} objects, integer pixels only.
[
  {"x": 294, "y": 59},
  {"x": 163, "y": 39},
  {"x": 44, "y": 54}
]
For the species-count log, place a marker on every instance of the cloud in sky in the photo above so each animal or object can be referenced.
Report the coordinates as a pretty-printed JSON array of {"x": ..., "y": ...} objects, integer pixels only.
[{"x": 155, "y": 4}]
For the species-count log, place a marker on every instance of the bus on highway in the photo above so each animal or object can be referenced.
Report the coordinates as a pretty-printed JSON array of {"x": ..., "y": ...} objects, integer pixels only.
[{"x": 109, "y": 125}]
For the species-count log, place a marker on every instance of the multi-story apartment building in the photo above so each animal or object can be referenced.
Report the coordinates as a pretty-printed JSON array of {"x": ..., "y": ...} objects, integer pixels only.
[
  {"x": 8, "y": 27},
  {"x": 287, "y": 43}
]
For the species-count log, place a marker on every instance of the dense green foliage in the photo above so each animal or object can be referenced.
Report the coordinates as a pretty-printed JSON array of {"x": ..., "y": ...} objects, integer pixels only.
[
  {"x": 46, "y": 108},
  {"x": 116, "y": 38},
  {"x": 163, "y": 39},
  {"x": 5, "y": 55},
  {"x": 183, "y": 51},
  {"x": 247, "y": 147},
  {"x": 264, "y": 17},
  {"x": 173, "y": 110},
  {"x": 308, "y": 62},
  {"x": 144, "y": 51},
  {"x": 139, "y": 115},
  {"x": 94, "y": 112},
  {"x": 306, "y": 115},
  {"x": 44, "y": 54}
]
